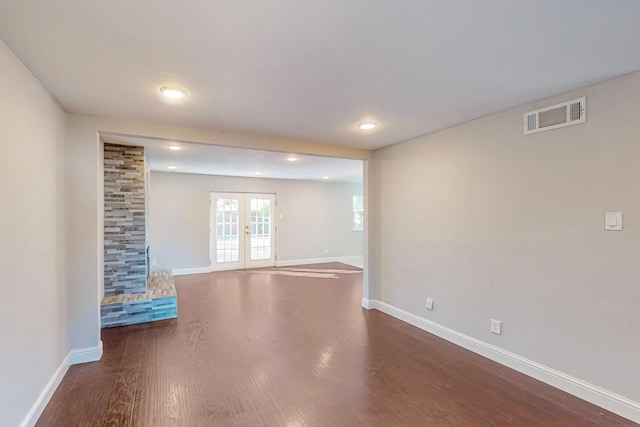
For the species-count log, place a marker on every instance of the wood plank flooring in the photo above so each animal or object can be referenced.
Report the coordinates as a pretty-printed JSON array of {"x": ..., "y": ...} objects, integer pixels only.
[{"x": 260, "y": 349}]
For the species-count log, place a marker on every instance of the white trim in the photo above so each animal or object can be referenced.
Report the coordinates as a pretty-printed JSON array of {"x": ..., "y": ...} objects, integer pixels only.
[
  {"x": 73, "y": 357},
  {"x": 351, "y": 260},
  {"x": 368, "y": 304},
  {"x": 185, "y": 271},
  {"x": 227, "y": 266},
  {"x": 86, "y": 354},
  {"x": 45, "y": 395},
  {"x": 591, "y": 393},
  {"x": 291, "y": 262}
]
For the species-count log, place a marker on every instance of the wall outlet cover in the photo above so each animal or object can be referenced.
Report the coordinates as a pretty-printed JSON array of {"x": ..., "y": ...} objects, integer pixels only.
[{"x": 429, "y": 304}]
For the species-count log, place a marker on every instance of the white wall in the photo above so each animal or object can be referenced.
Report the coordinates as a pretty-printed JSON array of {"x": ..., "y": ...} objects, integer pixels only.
[
  {"x": 84, "y": 177},
  {"x": 484, "y": 220},
  {"x": 33, "y": 298},
  {"x": 316, "y": 216},
  {"x": 494, "y": 224}
]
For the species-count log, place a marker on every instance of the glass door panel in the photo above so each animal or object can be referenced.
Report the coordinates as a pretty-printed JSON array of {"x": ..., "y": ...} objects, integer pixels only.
[
  {"x": 227, "y": 237},
  {"x": 260, "y": 228},
  {"x": 242, "y": 230},
  {"x": 226, "y": 231}
]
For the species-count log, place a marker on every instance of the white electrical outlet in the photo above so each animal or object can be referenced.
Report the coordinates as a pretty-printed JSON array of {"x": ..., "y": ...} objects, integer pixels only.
[
  {"x": 154, "y": 262},
  {"x": 496, "y": 327},
  {"x": 326, "y": 251},
  {"x": 429, "y": 304}
]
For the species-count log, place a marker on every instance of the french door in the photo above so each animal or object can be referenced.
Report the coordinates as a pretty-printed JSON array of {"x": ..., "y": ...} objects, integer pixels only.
[{"x": 242, "y": 230}]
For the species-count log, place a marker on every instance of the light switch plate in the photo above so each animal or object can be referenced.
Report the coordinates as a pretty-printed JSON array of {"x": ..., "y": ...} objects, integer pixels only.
[
  {"x": 613, "y": 221},
  {"x": 496, "y": 327}
]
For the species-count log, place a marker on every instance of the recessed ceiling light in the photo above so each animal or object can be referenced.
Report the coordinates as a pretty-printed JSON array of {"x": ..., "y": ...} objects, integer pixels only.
[
  {"x": 175, "y": 147},
  {"x": 258, "y": 173},
  {"x": 367, "y": 126},
  {"x": 292, "y": 159},
  {"x": 325, "y": 177},
  {"x": 173, "y": 92},
  {"x": 172, "y": 167}
]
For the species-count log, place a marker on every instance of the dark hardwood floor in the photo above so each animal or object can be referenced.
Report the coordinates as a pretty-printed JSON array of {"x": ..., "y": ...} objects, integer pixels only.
[{"x": 256, "y": 349}]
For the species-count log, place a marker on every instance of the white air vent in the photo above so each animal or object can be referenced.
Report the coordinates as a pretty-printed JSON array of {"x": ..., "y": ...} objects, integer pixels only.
[{"x": 556, "y": 116}]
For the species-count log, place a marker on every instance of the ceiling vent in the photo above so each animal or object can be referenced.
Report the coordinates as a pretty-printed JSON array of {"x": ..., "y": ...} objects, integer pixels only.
[{"x": 556, "y": 116}]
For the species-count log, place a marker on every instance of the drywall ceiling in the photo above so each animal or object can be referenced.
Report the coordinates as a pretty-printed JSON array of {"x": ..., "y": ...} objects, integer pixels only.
[
  {"x": 215, "y": 160},
  {"x": 314, "y": 69}
]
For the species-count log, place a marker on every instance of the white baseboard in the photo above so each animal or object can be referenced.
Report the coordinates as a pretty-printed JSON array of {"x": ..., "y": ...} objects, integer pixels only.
[
  {"x": 86, "y": 354},
  {"x": 351, "y": 260},
  {"x": 73, "y": 357},
  {"x": 45, "y": 395},
  {"x": 598, "y": 396},
  {"x": 368, "y": 304},
  {"x": 354, "y": 260},
  {"x": 185, "y": 271},
  {"x": 292, "y": 262}
]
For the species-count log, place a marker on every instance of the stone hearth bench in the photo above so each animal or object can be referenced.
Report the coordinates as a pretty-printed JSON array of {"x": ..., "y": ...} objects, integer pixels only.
[{"x": 160, "y": 302}]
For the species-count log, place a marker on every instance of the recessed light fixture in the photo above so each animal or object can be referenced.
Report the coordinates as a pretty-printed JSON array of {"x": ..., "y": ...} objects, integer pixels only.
[
  {"x": 367, "y": 125},
  {"x": 172, "y": 167},
  {"x": 325, "y": 177},
  {"x": 258, "y": 173},
  {"x": 292, "y": 158},
  {"x": 173, "y": 92},
  {"x": 175, "y": 147}
]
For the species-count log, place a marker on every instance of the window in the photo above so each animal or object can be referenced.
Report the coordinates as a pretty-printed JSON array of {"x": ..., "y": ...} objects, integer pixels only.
[{"x": 358, "y": 213}]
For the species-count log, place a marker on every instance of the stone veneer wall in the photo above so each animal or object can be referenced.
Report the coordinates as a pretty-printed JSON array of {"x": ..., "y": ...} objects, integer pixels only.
[
  {"x": 160, "y": 302},
  {"x": 125, "y": 261}
]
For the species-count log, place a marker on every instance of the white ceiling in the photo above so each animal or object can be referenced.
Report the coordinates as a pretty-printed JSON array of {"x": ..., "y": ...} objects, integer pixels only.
[
  {"x": 314, "y": 69},
  {"x": 215, "y": 160}
]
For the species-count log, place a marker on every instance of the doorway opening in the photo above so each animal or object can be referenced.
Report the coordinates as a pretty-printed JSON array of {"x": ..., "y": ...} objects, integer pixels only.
[{"x": 242, "y": 231}]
